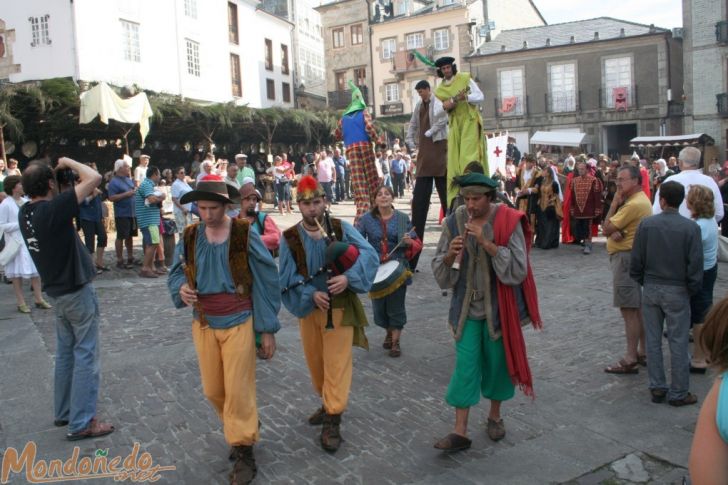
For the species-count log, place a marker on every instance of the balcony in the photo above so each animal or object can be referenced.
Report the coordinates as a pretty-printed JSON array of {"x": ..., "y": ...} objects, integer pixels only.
[
  {"x": 722, "y": 104},
  {"x": 341, "y": 99},
  {"x": 562, "y": 102},
  {"x": 721, "y": 32},
  {"x": 404, "y": 61}
]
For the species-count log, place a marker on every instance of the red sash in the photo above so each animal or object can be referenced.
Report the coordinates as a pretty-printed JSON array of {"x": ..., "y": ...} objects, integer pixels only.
[{"x": 222, "y": 304}]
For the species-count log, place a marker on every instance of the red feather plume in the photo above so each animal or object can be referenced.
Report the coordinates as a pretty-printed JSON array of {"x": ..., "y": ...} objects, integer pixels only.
[{"x": 307, "y": 183}]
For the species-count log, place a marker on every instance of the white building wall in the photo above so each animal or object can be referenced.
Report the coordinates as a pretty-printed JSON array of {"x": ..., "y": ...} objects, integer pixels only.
[
  {"x": 512, "y": 14},
  {"x": 163, "y": 30},
  {"x": 310, "y": 47},
  {"x": 44, "y": 60}
]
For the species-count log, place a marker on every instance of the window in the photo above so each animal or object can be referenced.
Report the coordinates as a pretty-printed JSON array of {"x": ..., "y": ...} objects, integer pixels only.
[
  {"x": 39, "y": 31},
  {"x": 617, "y": 75},
  {"x": 360, "y": 76},
  {"x": 130, "y": 41},
  {"x": 191, "y": 8},
  {"x": 357, "y": 35},
  {"x": 402, "y": 7},
  {"x": 284, "y": 59},
  {"x": 340, "y": 81},
  {"x": 269, "y": 54},
  {"x": 447, "y": 2},
  {"x": 441, "y": 39},
  {"x": 337, "y": 37},
  {"x": 233, "y": 35},
  {"x": 270, "y": 88},
  {"x": 193, "y": 58},
  {"x": 391, "y": 92},
  {"x": 236, "y": 80},
  {"x": 511, "y": 92},
  {"x": 389, "y": 46},
  {"x": 562, "y": 83},
  {"x": 286, "y": 92},
  {"x": 415, "y": 40}
]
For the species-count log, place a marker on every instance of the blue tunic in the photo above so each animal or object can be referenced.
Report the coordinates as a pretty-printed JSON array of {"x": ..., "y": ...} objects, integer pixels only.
[
  {"x": 299, "y": 300},
  {"x": 370, "y": 228},
  {"x": 213, "y": 276}
]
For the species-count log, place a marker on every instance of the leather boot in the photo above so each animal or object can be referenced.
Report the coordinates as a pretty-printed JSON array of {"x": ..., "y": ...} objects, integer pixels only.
[
  {"x": 244, "y": 468},
  {"x": 330, "y": 435}
]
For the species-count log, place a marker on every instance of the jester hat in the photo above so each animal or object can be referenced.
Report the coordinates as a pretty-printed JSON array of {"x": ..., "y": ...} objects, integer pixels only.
[
  {"x": 357, "y": 100},
  {"x": 308, "y": 188}
]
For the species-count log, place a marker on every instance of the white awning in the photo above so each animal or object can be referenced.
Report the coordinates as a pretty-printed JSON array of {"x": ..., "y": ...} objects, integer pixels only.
[{"x": 558, "y": 138}]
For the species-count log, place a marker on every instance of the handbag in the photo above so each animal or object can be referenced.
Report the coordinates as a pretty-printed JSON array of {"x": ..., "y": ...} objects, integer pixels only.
[{"x": 9, "y": 251}]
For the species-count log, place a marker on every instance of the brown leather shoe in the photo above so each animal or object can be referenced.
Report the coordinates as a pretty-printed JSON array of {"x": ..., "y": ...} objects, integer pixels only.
[
  {"x": 244, "y": 468},
  {"x": 496, "y": 429},
  {"x": 330, "y": 435},
  {"x": 317, "y": 418}
]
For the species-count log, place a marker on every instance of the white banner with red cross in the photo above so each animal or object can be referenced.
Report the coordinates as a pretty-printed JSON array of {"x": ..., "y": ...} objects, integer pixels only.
[{"x": 497, "y": 144}]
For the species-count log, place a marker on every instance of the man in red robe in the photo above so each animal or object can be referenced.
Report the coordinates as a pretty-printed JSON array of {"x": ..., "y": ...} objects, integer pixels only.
[{"x": 586, "y": 205}]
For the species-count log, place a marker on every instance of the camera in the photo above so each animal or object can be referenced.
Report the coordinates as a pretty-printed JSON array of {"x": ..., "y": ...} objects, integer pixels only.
[{"x": 65, "y": 177}]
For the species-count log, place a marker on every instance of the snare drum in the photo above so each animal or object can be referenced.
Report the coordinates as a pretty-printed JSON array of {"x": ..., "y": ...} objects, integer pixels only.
[{"x": 390, "y": 276}]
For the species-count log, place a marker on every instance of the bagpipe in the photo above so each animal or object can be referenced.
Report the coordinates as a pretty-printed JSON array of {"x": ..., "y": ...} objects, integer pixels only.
[{"x": 340, "y": 257}]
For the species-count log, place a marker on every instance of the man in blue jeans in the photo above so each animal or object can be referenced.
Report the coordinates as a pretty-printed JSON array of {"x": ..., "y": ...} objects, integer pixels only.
[
  {"x": 66, "y": 269},
  {"x": 667, "y": 260},
  {"x": 398, "y": 170}
]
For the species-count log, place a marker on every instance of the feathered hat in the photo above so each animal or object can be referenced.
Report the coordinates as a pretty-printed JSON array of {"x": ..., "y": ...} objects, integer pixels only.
[{"x": 308, "y": 188}]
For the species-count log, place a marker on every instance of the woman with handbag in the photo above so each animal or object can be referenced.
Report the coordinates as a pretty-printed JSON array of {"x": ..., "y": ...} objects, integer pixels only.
[
  {"x": 283, "y": 173},
  {"x": 15, "y": 256}
]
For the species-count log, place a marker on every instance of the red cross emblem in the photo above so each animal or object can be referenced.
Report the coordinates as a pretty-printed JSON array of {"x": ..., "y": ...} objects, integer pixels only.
[{"x": 497, "y": 152}]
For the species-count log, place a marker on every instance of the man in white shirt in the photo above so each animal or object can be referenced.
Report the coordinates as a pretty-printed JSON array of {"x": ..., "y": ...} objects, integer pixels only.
[
  {"x": 326, "y": 175},
  {"x": 689, "y": 159}
]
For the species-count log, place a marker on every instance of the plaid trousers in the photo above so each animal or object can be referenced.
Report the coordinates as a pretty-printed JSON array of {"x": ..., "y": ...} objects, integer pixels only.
[{"x": 364, "y": 176}]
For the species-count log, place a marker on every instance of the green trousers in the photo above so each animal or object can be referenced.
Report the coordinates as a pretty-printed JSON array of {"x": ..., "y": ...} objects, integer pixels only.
[{"x": 480, "y": 368}]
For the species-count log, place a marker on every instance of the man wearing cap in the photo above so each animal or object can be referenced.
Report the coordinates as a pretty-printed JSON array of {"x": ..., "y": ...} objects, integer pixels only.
[
  {"x": 482, "y": 256},
  {"x": 259, "y": 221},
  {"x": 226, "y": 274},
  {"x": 428, "y": 131},
  {"x": 465, "y": 141},
  {"x": 121, "y": 190},
  {"x": 356, "y": 129},
  {"x": 328, "y": 352},
  {"x": 241, "y": 160}
]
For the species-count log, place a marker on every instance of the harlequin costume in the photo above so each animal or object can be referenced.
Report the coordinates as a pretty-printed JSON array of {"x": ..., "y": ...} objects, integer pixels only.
[
  {"x": 238, "y": 293},
  {"x": 465, "y": 140},
  {"x": 492, "y": 296},
  {"x": 328, "y": 352},
  {"x": 356, "y": 129},
  {"x": 384, "y": 236}
]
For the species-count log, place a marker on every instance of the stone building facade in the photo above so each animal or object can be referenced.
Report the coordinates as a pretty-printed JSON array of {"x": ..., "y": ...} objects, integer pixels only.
[
  {"x": 705, "y": 34},
  {"x": 610, "y": 79}
]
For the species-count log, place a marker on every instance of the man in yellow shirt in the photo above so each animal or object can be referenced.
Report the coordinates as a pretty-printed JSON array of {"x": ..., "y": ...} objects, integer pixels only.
[{"x": 629, "y": 207}]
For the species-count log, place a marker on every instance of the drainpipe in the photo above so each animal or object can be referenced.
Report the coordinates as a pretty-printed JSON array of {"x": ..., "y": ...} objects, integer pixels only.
[
  {"x": 371, "y": 56},
  {"x": 74, "y": 33}
]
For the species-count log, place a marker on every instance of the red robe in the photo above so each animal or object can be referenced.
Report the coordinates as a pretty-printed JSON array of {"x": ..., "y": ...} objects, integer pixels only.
[{"x": 566, "y": 236}]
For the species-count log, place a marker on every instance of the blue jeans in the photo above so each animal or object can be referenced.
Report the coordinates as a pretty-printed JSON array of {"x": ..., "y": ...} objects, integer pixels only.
[
  {"x": 77, "y": 357},
  {"x": 328, "y": 191},
  {"x": 388, "y": 181},
  {"x": 671, "y": 305}
]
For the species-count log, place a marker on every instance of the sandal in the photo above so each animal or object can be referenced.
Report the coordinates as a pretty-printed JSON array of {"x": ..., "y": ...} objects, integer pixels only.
[
  {"x": 387, "y": 344},
  {"x": 622, "y": 367},
  {"x": 395, "y": 351},
  {"x": 642, "y": 360},
  {"x": 101, "y": 267},
  {"x": 453, "y": 442},
  {"x": 148, "y": 274},
  {"x": 93, "y": 430}
]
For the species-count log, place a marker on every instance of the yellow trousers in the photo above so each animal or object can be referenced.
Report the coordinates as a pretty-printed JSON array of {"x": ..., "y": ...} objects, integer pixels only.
[
  {"x": 328, "y": 355},
  {"x": 227, "y": 370}
]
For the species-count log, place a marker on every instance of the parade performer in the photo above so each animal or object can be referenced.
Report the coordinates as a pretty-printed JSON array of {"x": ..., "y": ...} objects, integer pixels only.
[
  {"x": 428, "y": 132},
  {"x": 391, "y": 235},
  {"x": 227, "y": 275},
  {"x": 357, "y": 131},
  {"x": 465, "y": 141},
  {"x": 494, "y": 293},
  {"x": 528, "y": 180},
  {"x": 586, "y": 205},
  {"x": 309, "y": 294}
]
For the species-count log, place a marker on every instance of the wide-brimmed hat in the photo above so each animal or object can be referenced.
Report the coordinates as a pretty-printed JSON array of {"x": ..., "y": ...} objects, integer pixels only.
[
  {"x": 248, "y": 189},
  {"x": 444, "y": 61},
  {"x": 212, "y": 188}
]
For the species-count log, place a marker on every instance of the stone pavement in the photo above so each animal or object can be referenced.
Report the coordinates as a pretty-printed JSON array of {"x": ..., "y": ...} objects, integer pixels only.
[{"x": 584, "y": 426}]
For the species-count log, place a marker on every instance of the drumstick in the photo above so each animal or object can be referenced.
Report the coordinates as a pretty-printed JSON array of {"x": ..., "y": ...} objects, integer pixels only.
[{"x": 399, "y": 243}]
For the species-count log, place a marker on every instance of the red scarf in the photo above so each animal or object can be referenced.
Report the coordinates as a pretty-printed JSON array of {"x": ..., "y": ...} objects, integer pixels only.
[{"x": 515, "y": 347}]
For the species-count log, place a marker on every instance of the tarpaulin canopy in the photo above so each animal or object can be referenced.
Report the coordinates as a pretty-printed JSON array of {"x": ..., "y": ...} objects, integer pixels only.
[
  {"x": 103, "y": 102},
  {"x": 668, "y": 141},
  {"x": 558, "y": 138}
]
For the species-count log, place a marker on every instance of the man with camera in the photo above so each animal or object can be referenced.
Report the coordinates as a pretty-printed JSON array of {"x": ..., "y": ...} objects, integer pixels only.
[{"x": 66, "y": 269}]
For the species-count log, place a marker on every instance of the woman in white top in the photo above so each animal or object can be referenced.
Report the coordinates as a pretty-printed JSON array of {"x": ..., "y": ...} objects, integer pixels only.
[
  {"x": 21, "y": 266},
  {"x": 140, "y": 172}
]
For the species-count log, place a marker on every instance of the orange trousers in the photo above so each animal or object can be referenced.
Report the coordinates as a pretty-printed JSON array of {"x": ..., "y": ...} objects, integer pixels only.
[
  {"x": 329, "y": 358},
  {"x": 227, "y": 369}
]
